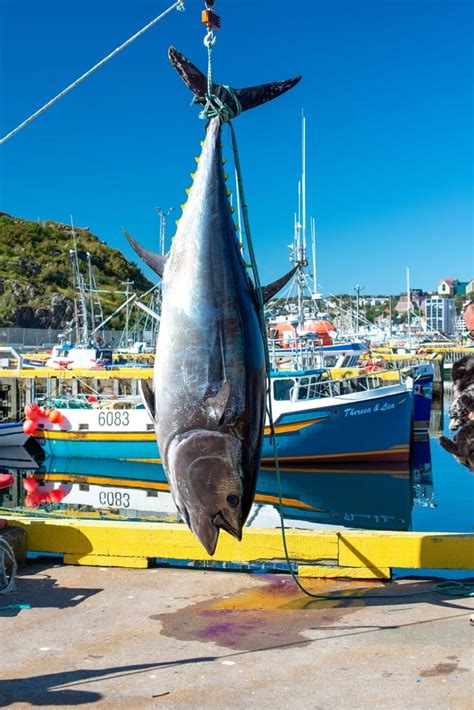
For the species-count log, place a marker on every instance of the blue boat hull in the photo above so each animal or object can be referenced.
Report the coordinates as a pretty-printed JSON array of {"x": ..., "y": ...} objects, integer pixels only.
[{"x": 371, "y": 430}]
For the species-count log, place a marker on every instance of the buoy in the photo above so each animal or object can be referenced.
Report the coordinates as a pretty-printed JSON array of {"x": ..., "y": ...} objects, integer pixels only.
[
  {"x": 56, "y": 495},
  {"x": 30, "y": 484},
  {"x": 32, "y": 500},
  {"x": 55, "y": 416},
  {"x": 91, "y": 398},
  {"x": 31, "y": 410},
  {"x": 6, "y": 480},
  {"x": 29, "y": 426}
]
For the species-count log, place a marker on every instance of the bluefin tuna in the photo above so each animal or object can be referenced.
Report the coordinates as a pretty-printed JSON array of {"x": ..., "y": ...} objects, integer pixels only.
[{"x": 208, "y": 394}]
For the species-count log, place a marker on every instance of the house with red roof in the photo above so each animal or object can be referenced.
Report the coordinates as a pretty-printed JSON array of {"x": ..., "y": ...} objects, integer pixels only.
[{"x": 454, "y": 287}]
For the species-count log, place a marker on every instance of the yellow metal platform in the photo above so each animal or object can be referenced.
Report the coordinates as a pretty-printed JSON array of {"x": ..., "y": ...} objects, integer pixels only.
[{"x": 326, "y": 553}]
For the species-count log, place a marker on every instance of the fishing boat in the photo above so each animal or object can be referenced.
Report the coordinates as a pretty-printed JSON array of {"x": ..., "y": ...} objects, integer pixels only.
[{"x": 314, "y": 418}]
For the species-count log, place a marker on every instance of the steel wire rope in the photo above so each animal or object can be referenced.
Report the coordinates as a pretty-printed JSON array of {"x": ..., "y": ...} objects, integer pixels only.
[{"x": 178, "y": 5}]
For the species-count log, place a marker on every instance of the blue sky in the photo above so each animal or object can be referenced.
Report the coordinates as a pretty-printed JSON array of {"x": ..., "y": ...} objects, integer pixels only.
[{"x": 387, "y": 91}]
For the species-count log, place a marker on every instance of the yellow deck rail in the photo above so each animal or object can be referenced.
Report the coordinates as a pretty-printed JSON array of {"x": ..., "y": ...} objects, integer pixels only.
[{"x": 362, "y": 554}]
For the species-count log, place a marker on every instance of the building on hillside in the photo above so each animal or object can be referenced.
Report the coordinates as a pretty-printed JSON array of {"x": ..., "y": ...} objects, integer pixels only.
[
  {"x": 441, "y": 314},
  {"x": 454, "y": 287},
  {"x": 460, "y": 327},
  {"x": 417, "y": 299},
  {"x": 446, "y": 288}
]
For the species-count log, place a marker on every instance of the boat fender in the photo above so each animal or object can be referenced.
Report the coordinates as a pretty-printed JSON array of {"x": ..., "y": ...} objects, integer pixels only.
[
  {"x": 55, "y": 416},
  {"x": 31, "y": 410},
  {"x": 29, "y": 426}
]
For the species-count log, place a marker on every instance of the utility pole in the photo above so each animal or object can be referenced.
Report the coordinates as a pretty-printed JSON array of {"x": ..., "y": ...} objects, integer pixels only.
[
  {"x": 163, "y": 215},
  {"x": 357, "y": 289},
  {"x": 390, "y": 315}
]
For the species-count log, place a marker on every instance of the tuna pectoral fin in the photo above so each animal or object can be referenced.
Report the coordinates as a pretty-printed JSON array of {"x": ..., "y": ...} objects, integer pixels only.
[
  {"x": 216, "y": 406},
  {"x": 247, "y": 98},
  {"x": 271, "y": 289},
  {"x": 449, "y": 445},
  {"x": 148, "y": 397},
  {"x": 154, "y": 261}
]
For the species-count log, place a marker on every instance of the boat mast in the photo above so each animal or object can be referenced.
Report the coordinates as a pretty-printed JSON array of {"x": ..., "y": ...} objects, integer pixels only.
[
  {"x": 301, "y": 260},
  {"x": 408, "y": 304},
  {"x": 80, "y": 303},
  {"x": 303, "y": 180},
  {"x": 163, "y": 214},
  {"x": 313, "y": 256}
]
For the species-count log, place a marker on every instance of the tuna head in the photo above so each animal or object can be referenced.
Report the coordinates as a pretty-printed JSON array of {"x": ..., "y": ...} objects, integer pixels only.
[{"x": 206, "y": 469}]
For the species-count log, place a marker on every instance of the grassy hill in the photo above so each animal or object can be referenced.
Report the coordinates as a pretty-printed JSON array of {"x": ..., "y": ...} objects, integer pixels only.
[{"x": 36, "y": 276}]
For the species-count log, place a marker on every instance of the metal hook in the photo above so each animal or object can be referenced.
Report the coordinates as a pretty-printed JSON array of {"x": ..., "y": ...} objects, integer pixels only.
[{"x": 210, "y": 39}]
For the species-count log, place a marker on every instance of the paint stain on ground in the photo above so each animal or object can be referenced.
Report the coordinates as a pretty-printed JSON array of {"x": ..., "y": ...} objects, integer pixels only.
[
  {"x": 268, "y": 616},
  {"x": 442, "y": 669}
]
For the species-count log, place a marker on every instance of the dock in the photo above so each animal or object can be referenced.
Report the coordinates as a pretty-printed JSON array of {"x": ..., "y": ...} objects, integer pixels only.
[
  {"x": 363, "y": 554},
  {"x": 179, "y": 638}
]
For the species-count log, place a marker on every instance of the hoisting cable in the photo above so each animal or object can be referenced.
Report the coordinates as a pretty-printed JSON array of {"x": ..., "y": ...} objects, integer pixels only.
[
  {"x": 178, "y": 5},
  {"x": 212, "y": 108}
]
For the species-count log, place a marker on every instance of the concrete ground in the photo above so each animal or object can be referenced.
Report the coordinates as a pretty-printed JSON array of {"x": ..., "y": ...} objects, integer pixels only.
[{"x": 182, "y": 638}]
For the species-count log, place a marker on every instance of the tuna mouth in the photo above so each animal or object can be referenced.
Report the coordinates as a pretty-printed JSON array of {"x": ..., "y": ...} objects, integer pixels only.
[
  {"x": 207, "y": 528},
  {"x": 219, "y": 521}
]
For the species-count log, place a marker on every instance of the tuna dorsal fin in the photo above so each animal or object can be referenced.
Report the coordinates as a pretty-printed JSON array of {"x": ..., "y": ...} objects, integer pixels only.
[
  {"x": 154, "y": 261},
  {"x": 449, "y": 445},
  {"x": 248, "y": 98},
  {"x": 270, "y": 290},
  {"x": 148, "y": 397},
  {"x": 216, "y": 405}
]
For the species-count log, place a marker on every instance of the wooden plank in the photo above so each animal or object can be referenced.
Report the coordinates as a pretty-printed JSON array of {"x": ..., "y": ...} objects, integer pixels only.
[
  {"x": 171, "y": 541},
  {"x": 406, "y": 550},
  {"x": 376, "y": 551},
  {"x": 106, "y": 561},
  {"x": 336, "y": 572}
]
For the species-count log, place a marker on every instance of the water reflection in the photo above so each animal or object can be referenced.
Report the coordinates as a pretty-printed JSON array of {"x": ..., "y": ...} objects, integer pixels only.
[
  {"x": 434, "y": 493},
  {"x": 359, "y": 496}
]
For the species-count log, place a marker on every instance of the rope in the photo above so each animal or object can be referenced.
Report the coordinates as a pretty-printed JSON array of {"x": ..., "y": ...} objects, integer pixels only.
[
  {"x": 9, "y": 583},
  {"x": 214, "y": 106},
  {"x": 179, "y": 5}
]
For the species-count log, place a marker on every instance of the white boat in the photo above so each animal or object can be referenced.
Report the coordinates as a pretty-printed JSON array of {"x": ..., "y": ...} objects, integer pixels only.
[{"x": 12, "y": 434}]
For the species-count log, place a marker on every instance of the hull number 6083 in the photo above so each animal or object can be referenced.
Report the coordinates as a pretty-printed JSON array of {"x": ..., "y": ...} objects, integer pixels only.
[{"x": 114, "y": 418}]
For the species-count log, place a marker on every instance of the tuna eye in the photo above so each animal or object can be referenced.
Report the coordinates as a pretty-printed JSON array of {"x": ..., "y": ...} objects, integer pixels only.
[{"x": 233, "y": 501}]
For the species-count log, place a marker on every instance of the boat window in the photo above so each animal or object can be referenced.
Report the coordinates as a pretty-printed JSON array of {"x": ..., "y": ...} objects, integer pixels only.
[
  {"x": 330, "y": 360},
  {"x": 303, "y": 387},
  {"x": 282, "y": 389}
]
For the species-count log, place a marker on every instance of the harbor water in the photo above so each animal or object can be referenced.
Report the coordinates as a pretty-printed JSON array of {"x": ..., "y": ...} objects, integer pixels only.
[{"x": 433, "y": 493}]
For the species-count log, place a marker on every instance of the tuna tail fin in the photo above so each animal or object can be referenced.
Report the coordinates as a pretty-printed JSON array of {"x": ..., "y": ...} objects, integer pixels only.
[
  {"x": 154, "y": 261},
  {"x": 247, "y": 98}
]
